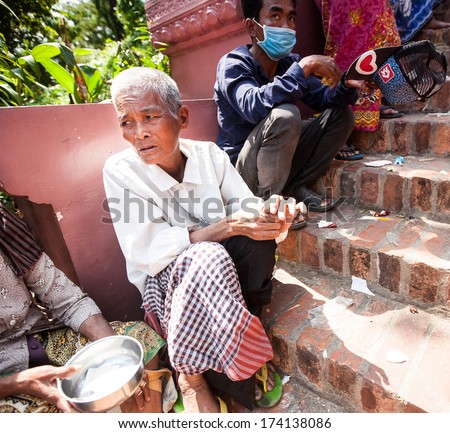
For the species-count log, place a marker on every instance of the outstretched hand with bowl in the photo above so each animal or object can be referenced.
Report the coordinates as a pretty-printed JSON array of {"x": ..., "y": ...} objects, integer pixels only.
[{"x": 39, "y": 382}]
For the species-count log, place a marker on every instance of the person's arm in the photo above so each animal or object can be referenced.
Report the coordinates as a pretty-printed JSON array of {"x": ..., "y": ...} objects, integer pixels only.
[
  {"x": 39, "y": 382},
  {"x": 247, "y": 215},
  {"x": 236, "y": 82},
  {"x": 267, "y": 224},
  {"x": 96, "y": 327},
  {"x": 61, "y": 296},
  {"x": 300, "y": 82},
  {"x": 148, "y": 242}
]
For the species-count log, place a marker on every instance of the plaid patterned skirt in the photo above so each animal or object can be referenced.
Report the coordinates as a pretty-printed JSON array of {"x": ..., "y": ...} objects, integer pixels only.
[{"x": 198, "y": 303}]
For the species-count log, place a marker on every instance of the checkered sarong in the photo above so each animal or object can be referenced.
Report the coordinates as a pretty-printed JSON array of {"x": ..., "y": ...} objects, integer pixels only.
[{"x": 198, "y": 302}]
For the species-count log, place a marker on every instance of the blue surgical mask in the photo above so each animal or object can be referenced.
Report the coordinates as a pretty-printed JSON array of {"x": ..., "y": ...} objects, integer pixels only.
[{"x": 278, "y": 41}]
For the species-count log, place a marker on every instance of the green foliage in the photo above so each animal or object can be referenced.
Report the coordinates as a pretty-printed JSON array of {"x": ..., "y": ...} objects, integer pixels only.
[
  {"x": 16, "y": 81},
  {"x": 26, "y": 23},
  {"x": 131, "y": 14},
  {"x": 83, "y": 82},
  {"x": 86, "y": 25},
  {"x": 28, "y": 75},
  {"x": 135, "y": 50}
]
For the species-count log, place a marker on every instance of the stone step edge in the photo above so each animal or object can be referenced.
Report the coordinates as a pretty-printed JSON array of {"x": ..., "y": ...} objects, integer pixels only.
[
  {"x": 420, "y": 187},
  {"x": 388, "y": 253},
  {"x": 320, "y": 359},
  {"x": 411, "y": 134}
]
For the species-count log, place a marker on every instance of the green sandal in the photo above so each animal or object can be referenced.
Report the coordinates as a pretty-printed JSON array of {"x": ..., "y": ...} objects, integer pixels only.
[
  {"x": 269, "y": 398},
  {"x": 178, "y": 407}
]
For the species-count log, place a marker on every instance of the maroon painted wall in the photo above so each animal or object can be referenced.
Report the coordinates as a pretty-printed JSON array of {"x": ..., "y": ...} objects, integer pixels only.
[
  {"x": 310, "y": 38},
  {"x": 55, "y": 155}
]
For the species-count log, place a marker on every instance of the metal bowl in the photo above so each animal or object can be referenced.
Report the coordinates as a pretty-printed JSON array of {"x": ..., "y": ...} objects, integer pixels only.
[{"x": 111, "y": 369}]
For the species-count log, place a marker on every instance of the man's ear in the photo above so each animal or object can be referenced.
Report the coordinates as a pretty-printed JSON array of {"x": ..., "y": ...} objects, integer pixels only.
[
  {"x": 183, "y": 116},
  {"x": 250, "y": 26}
]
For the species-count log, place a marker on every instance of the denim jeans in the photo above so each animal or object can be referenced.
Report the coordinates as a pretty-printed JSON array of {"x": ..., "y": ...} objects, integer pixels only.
[{"x": 283, "y": 152}]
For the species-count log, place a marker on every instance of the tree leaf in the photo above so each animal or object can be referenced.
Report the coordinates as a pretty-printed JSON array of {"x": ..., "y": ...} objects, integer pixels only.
[
  {"x": 10, "y": 92},
  {"x": 83, "y": 51},
  {"x": 93, "y": 79},
  {"x": 7, "y": 7},
  {"x": 61, "y": 75},
  {"x": 45, "y": 51},
  {"x": 31, "y": 62},
  {"x": 68, "y": 56}
]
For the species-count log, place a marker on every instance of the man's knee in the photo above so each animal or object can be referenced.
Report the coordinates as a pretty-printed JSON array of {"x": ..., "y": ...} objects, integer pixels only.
[
  {"x": 344, "y": 116},
  {"x": 286, "y": 117},
  {"x": 200, "y": 253},
  {"x": 240, "y": 247}
]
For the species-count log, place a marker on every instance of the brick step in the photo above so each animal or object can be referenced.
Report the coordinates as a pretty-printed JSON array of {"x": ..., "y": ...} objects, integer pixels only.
[
  {"x": 344, "y": 354},
  {"x": 438, "y": 103},
  {"x": 411, "y": 134},
  {"x": 400, "y": 258},
  {"x": 419, "y": 187}
]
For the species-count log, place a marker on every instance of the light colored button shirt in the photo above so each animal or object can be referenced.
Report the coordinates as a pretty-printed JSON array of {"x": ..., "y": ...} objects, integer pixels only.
[{"x": 153, "y": 213}]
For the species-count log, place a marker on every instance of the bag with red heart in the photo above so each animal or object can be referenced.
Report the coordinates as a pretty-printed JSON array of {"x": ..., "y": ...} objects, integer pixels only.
[{"x": 405, "y": 73}]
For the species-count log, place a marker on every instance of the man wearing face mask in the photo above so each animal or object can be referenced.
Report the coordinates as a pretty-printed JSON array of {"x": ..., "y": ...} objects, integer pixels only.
[{"x": 260, "y": 127}]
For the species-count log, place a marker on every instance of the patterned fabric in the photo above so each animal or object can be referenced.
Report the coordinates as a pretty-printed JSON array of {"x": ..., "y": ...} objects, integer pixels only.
[
  {"x": 20, "y": 313},
  {"x": 397, "y": 90},
  {"x": 26, "y": 404},
  {"x": 16, "y": 240},
  {"x": 352, "y": 27},
  {"x": 412, "y": 15},
  {"x": 62, "y": 344},
  {"x": 199, "y": 305}
]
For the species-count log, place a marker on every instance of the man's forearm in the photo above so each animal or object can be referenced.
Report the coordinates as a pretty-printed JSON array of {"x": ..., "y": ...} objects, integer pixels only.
[{"x": 96, "y": 327}]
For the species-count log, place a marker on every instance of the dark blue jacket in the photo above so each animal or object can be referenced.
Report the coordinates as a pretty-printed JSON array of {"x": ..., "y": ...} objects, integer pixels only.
[{"x": 244, "y": 95}]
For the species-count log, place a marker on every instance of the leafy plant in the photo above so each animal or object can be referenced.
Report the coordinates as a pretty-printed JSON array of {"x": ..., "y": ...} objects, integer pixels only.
[
  {"x": 28, "y": 75},
  {"x": 2, "y": 3},
  {"x": 83, "y": 82},
  {"x": 17, "y": 84}
]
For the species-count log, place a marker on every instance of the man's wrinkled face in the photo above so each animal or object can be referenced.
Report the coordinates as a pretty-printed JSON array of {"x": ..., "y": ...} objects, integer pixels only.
[{"x": 150, "y": 127}]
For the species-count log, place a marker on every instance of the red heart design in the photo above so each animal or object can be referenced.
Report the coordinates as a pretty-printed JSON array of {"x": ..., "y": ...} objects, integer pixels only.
[{"x": 366, "y": 64}]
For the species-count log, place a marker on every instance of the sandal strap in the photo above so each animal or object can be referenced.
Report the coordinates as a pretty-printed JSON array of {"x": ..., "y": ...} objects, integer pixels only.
[
  {"x": 263, "y": 376},
  {"x": 308, "y": 196}
]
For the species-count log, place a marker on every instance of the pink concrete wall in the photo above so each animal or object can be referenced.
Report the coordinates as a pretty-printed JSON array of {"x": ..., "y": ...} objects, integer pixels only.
[
  {"x": 55, "y": 155},
  {"x": 194, "y": 69}
]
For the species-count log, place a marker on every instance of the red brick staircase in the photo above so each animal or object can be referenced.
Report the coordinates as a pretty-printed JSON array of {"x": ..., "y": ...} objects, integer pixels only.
[{"x": 390, "y": 351}]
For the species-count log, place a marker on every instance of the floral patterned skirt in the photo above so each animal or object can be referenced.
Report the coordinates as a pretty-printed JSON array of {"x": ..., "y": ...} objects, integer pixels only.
[{"x": 61, "y": 344}]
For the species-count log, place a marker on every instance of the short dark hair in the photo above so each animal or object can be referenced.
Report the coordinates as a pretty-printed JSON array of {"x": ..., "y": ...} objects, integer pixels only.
[{"x": 251, "y": 8}]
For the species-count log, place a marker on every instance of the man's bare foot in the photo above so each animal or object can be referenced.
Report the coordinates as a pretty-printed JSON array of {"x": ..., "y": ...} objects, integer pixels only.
[
  {"x": 197, "y": 397},
  {"x": 270, "y": 382}
]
